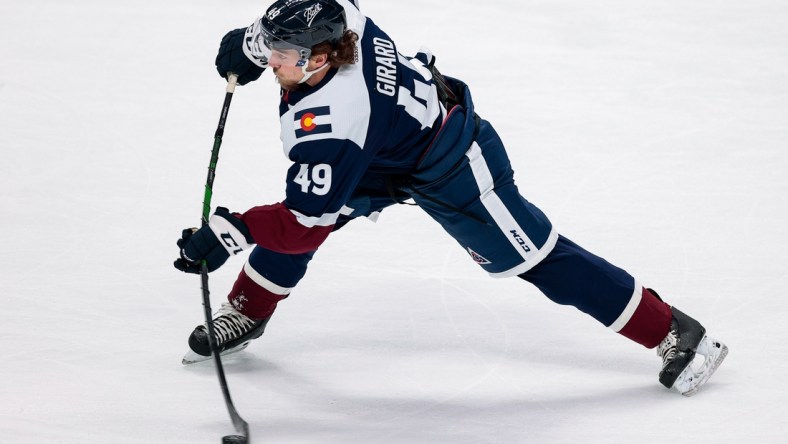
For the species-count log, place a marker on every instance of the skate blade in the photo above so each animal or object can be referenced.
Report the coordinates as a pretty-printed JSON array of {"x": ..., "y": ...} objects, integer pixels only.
[
  {"x": 692, "y": 379},
  {"x": 192, "y": 358}
]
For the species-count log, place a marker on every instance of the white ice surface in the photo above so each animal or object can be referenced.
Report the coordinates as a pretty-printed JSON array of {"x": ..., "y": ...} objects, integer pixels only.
[{"x": 651, "y": 132}]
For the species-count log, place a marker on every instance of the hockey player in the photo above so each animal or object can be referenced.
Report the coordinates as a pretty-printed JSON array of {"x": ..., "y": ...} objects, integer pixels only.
[{"x": 365, "y": 128}]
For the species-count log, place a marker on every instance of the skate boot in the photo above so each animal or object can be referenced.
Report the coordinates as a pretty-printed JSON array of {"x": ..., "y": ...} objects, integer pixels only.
[
  {"x": 233, "y": 333},
  {"x": 686, "y": 339}
]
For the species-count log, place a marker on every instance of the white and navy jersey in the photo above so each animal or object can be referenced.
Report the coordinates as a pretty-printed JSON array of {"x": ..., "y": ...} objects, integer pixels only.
[{"x": 378, "y": 115}]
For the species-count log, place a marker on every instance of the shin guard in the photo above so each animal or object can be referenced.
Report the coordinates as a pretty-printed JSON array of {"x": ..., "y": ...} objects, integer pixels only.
[
  {"x": 645, "y": 320},
  {"x": 254, "y": 295}
]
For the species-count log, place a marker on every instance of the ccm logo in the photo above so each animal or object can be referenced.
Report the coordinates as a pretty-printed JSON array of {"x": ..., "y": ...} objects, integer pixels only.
[
  {"x": 520, "y": 241},
  {"x": 232, "y": 245}
]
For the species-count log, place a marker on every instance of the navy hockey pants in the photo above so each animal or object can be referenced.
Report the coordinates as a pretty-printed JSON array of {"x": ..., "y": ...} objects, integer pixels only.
[{"x": 465, "y": 182}]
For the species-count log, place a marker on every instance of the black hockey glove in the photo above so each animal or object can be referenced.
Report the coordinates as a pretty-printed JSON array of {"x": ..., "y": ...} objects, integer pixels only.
[
  {"x": 231, "y": 58},
  {"x": 224, "y": 235}
]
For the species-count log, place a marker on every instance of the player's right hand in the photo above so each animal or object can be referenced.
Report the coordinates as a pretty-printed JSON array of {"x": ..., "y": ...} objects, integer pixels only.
[{"x": 223, "y": 236}]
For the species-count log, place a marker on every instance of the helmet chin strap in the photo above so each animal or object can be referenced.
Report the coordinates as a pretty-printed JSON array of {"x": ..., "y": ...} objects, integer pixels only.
[{"x": 308, "y": 74}]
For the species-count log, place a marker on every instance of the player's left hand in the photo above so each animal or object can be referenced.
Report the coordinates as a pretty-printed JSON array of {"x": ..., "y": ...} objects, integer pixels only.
[
  {"x": 231, "y": 58},
  {"x": 225, "y": 235}
]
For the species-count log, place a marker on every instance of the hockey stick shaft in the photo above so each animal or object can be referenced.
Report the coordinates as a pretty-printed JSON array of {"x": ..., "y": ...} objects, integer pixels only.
[
  {"x": 217, "y": 143},
  {"x": 240, "y": 425}
]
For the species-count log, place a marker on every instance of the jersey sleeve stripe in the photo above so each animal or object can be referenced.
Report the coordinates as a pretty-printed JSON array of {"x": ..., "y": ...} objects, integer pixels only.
[{"x": 325, "y": 220}]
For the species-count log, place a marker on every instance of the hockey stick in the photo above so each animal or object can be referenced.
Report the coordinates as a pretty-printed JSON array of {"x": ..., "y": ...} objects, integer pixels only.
[{"x": 240, "y": 425}]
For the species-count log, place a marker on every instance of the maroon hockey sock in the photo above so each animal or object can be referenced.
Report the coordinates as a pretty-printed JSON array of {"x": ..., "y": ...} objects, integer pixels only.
[
  {"x": 650, "y": 322},
  {"x": 251, "y": 299}
]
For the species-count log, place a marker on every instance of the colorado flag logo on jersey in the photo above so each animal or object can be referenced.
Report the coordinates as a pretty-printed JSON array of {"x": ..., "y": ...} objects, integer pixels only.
[{"x": 312, "y": 121}]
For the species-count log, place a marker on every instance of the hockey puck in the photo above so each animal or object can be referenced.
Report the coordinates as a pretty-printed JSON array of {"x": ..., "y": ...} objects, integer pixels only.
[{"x": 233, "y": 439}]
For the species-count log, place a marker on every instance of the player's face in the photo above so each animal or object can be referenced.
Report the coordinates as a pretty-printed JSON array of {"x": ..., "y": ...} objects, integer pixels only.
[
  {"x": 288, "y": 76},
  {"x": 284, "y": 65},
  {"x": 285, "y": 57}
]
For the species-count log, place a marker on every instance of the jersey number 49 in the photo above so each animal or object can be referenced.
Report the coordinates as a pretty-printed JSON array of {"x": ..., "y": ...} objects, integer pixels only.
[{"x": 314, "y": 178}]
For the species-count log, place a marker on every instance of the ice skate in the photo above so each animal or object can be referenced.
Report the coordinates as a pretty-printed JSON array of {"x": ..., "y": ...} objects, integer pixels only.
[
  {"x": 233, "y": 333},
  {"x": 685, "y": 340}
]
